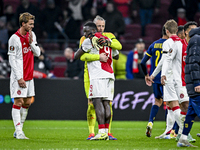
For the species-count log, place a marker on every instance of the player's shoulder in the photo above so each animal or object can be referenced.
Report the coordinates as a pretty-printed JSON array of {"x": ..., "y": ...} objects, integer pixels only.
[
  {"x": 109, "y": 35},
  {"x": 86, "y": 42},
  {"x": 13, "y": 38}
]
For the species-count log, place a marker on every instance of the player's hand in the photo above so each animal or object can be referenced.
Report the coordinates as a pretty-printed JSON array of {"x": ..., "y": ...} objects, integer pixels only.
[
  {"x": 197, "y": 89},
  {"x": 148, "y": 80},
  {"x": 30, "y": 38},
  {"x": 95, "y": 44},
  {"x": 103, "y": 42},
  {"x": 103, "y": 57},
  {"x": 90, "y": 35},
  {"x": 22, "y": 83},
  {"x": 163, "y": 79}
]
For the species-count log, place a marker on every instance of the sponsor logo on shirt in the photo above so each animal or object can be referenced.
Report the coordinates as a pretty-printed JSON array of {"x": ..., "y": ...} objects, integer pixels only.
[{"x": 26, "y": 50}]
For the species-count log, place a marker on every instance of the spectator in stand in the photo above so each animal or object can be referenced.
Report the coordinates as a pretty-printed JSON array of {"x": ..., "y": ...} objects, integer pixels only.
[
  {"x": 181, "y": 18},
  {"x": 75, "y": 67},
  {"x": 76, "y": 7},
  {"x": 119, "y": 66},
  {"x": 51, "y": 14},
  {"x": 100, "y": 5},
  {"x": 180, "y": 33},
  {"x": 3, "y": 37},
  {"x": 86, "y": 9},
  {"x": 190, "y": 6},
  {"x": 4, "y": 68},
  {"x": 123, "y": 7},
  {"x": 70, "y": 26},
  {"x": 27, "y": 6},
  {"x": 133, "y": 68},
  {"x": 10, "y": 17},
  {"x": 93, "y": 14},
  {"x": 147, "y": 8},
  {"x": 42, "y": 65},
  {"x": 114, "y": 20}
]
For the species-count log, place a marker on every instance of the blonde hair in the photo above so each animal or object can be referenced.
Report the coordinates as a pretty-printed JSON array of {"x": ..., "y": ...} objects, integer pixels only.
[
  {"x": 171, "y": 26},
  {"x": 25, "y": 17},
  {"x": 98, "y": 18}
]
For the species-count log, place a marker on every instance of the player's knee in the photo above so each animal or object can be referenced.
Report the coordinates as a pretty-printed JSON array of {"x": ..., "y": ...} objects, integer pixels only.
[
  {"x": 27, "y": 105},
  {"x": 158, "y": 102},
  {"x": 18, "y": 102}
]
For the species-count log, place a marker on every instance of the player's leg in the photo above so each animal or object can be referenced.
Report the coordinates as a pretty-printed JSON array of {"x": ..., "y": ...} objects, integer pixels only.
[
  {"x": 91, "y": 119},
  {"x": 191, "y": 114},
  {"x": 158, "y": 93},
  {"x": 17, "y": 117},
  {"x": 100, "y": 114},
  {"x": 111, "y": 137},
  {"x": 24, "y": 109},
  {"x": 17, "y": 93},
  {"x": 106, "y": 105},
  {"x": 91, "y": 115}
]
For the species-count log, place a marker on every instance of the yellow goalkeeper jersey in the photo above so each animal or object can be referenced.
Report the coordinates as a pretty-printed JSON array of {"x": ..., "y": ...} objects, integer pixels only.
[{"x": 115, "y": 44}]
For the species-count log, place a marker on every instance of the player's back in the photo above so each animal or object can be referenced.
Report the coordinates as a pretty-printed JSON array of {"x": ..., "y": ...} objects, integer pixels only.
[
  {"x": 155, "y": 52},
  {"x": 178, "y": 62}
]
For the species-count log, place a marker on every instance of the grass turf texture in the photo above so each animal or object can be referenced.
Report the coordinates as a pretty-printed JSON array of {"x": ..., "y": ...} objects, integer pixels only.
[{"x": 71, "y": 135}]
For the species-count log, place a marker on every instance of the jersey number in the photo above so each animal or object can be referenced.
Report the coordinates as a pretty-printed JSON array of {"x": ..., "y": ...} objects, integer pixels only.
[
  {"x": 157, "y": 58},
  {"x": 107, "y": 50}
]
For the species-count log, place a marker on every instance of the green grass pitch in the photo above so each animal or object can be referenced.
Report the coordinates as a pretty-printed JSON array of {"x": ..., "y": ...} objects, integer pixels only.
[{"x": 71, "y": 135}]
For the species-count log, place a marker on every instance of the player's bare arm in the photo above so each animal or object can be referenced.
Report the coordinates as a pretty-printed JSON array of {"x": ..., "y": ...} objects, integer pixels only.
[
  {"x": 78, "y": 53},
  {"x": 30, "y": 38}
]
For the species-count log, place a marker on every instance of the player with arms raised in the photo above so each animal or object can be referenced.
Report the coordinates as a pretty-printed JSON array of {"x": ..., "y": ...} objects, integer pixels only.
[{"x": 22, "y": 46}]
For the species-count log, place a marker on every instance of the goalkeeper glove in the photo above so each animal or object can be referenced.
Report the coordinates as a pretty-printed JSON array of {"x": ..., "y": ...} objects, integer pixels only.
[
  {"x": 103, "y": 42},
  {"x": 95, "y": 44}
]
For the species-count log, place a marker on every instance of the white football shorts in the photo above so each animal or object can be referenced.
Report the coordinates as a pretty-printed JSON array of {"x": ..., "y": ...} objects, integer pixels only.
[
  {"x": 169, "y": 93},
  {"x": 16, "y": 91},
  {"x": 101, "y": 88},
  {"x": 182, "y": 93}
]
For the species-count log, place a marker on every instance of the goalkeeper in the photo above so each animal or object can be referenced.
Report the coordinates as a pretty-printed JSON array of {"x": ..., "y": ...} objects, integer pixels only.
[{"x": 115, "y": 45}]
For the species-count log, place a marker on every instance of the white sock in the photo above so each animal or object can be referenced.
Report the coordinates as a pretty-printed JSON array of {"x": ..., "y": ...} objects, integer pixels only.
[
  {"x": 182, "y": 119},
  {"x": 106, "y": 130},
  {"x": 16, "y": 118},
  {"x": 184, "y": 137},
  {"x": 170, "y": 120},
  {"x": 23, "y": 112},
  {"x": 102, "y": 130},
  {"x": 177, "y": 112}
]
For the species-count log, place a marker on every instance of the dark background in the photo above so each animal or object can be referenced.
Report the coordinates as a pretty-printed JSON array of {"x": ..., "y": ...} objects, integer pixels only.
[{"x": 61, "y": 99}]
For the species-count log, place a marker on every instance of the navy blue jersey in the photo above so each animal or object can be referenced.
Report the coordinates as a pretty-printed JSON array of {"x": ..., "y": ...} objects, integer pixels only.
[{"x": 155, "y": 52}]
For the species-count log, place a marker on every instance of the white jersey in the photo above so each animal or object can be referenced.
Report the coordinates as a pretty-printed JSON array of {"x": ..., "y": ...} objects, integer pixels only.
[
  {"x": 176, "y": 56},
  {"x": 98, "y": 69},
  {"x": 21, "y": 56},
  {"x": 167, "y": 45}
]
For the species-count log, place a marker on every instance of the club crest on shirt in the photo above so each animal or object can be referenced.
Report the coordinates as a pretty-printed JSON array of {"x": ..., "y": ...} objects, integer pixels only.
[
  {"x": 12, "y": 48},
  {"x": 181, "y": 95},
  {"x": 19, "y": 92}
]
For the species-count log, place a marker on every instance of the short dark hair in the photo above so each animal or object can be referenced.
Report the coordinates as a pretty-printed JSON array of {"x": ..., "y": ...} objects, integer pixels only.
[
  {"x": 186, "y": 26},
  {"x": 163, "y": 31},
  {"x": 91, "y": 24},
  {"x": 180, "y": 29}
]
